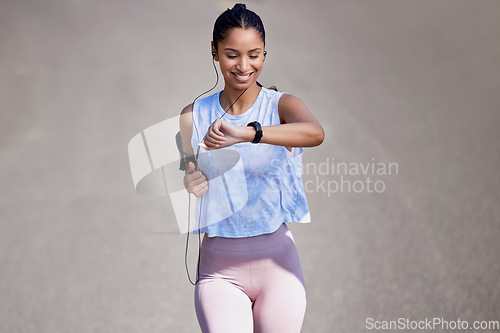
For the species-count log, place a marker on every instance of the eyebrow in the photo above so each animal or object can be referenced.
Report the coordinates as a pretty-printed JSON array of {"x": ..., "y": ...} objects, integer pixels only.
[{"x": 233, "y": 50}]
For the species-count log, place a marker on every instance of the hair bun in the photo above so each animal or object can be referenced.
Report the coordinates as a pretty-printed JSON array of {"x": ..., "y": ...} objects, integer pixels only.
[{"x": 240, "y": 6}]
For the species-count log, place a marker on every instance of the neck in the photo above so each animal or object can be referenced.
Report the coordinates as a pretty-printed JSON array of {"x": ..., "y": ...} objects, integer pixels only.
[{"x": 230, "y": 94}]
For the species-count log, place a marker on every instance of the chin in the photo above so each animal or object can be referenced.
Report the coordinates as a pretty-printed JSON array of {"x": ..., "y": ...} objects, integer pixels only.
[{"x": 243, "y": 85}]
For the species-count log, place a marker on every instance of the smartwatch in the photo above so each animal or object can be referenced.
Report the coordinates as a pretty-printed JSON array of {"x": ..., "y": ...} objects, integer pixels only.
[{"x": 258, "y": 131}]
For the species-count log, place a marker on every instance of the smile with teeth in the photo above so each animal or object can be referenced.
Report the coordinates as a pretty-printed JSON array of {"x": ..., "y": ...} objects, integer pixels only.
[{"x": 242, "y": 77}]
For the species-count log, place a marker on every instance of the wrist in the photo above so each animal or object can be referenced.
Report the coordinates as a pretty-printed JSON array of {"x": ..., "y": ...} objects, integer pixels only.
[
  {"x": 248, "y": 134},
  {"x": 258, "y": 131}
]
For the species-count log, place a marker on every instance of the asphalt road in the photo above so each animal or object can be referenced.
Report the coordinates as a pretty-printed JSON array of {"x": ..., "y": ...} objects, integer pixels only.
[{"x": 406, "y": 90}]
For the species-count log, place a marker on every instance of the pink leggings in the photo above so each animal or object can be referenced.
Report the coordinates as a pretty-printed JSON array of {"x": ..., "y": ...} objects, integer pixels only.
[{"x": 252, "y": 284}]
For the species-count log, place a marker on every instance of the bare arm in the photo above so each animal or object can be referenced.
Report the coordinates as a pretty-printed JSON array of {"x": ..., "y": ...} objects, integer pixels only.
[
  {"x": 186, "y": 127},
  {"x": 194, "y": 181},
  {"x": 298, "y": 128}
]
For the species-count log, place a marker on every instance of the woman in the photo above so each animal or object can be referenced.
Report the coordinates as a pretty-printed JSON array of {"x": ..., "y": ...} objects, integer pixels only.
[{"x": 250, "y": 279}]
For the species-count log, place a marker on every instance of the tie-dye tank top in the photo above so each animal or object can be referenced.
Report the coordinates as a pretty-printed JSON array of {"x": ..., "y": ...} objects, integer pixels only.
[{"x": 253, "y": 188}]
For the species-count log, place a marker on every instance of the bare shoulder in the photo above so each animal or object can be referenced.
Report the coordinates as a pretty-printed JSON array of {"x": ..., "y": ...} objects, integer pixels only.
[
  {"x": 186, "y": 117},
  {"x": 292, "y": 109},
  {"x": 288, "y": 100},
  {"x": 188, "y": 108}
]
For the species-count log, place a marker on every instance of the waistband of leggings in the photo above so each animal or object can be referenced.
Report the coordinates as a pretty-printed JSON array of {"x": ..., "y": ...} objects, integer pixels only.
[{"x": 253, "y": 243}]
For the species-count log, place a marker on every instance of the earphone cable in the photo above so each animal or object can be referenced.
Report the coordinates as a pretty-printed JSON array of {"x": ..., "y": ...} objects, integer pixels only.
[
  {"x": 201, "y": 199},
  {"x": 187, "y": 246}
]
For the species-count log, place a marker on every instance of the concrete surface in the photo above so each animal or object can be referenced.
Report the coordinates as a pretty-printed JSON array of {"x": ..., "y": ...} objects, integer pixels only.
[{"x": 410, "y": 82}]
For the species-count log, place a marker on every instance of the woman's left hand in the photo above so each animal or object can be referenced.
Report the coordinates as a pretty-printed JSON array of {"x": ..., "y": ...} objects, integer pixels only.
[{"x": 222, "y": 134}]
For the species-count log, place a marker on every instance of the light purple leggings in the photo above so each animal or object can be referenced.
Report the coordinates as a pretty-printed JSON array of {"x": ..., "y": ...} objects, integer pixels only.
[{"x": 251, "y": 284}]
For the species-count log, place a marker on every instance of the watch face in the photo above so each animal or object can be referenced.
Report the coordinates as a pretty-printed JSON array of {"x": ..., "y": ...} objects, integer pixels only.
[{"x": 258, "y": 131}]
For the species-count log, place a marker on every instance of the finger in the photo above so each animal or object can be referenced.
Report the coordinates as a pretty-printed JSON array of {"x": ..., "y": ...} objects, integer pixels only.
[
  {"x": 216, "y": 136},
  {"x": 201, "y": 190},
  {"x": 212, "y": 143},
  {"x": 199, "y": 175},
  {"x": 214, "y": 139},
  {"x": 210, "y": 140},
  {"x": 193, "y": 179},
  {"x": 216, "y": 127},
  {"x": 191, "y": 168},
  {"x": 196, "y": 179},
  {"x": 203, "y": 145}
]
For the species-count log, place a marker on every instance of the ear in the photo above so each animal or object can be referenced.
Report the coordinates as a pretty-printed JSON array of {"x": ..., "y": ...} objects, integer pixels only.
[{"x": 216, "y": 56}]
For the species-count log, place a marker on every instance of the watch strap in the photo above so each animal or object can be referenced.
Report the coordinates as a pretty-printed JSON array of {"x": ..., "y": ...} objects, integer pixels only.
[{"x": 258, "y": 131}]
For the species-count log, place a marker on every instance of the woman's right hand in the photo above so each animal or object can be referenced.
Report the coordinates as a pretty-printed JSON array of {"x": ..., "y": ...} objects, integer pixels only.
[{"x": 194, "y": 181}]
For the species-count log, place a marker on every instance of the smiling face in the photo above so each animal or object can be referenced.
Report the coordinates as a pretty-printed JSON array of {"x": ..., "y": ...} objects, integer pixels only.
[{"x": 240, "y": 56}]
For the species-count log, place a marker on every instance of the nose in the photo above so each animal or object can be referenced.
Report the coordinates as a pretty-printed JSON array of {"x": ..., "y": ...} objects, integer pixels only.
[{"x": 243, "y": 65}]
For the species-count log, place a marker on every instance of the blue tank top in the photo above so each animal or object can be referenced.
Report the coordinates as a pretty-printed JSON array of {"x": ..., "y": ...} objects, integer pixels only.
[{"x": 253, "y": 188}]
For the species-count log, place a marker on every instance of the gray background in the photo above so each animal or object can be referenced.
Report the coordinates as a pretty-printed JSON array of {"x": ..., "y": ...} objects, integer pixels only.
[{"x": 410, "y": 82}]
